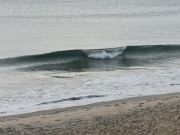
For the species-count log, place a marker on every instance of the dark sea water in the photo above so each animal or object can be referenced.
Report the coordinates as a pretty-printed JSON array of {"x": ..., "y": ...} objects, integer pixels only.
[{"x": 60, "y": 53}]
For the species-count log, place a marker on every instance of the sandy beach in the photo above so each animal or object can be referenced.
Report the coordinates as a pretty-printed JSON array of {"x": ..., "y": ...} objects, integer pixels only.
[{"x": 151, "y": 115}]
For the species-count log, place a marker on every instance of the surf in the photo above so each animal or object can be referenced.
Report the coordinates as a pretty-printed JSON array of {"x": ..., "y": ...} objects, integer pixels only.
[{"x": 107, "y": 58}]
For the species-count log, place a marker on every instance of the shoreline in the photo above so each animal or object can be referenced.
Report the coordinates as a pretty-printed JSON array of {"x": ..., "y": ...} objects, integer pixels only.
[
  {"x": 139, "y": 98},
  {"x": 146, "y": 114}
]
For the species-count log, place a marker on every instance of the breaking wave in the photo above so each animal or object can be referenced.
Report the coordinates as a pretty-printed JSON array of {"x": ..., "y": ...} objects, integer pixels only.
[{"x": 77, "y": 60}]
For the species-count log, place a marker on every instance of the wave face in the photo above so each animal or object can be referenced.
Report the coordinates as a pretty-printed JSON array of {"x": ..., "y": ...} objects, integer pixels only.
[{"x": 79, "y": 60}]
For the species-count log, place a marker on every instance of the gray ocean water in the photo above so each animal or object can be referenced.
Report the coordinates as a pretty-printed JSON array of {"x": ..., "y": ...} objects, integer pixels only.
[{"x": 61, "y": 53}]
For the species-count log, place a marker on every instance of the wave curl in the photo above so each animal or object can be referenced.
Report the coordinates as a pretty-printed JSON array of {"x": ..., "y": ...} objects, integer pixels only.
[{"x": 108, "y": 58}]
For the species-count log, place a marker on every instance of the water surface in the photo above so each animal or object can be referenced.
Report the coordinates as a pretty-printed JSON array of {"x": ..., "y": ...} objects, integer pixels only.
[{"x": 60, "y": 53}]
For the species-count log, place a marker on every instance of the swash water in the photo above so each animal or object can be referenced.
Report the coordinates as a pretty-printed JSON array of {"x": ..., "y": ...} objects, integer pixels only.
[{"x": 61, "y": 53}]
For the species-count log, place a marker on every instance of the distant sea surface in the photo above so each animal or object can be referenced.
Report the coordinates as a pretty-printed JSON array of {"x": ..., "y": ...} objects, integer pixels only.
[{"x": 61, "y": 53}]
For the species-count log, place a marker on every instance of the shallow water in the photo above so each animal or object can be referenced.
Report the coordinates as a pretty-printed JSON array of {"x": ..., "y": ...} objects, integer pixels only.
[{"x": 37, "y": 72}]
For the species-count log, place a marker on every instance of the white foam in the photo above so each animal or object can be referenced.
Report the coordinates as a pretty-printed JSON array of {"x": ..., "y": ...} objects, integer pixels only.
[{"x": 105, "y": 54}]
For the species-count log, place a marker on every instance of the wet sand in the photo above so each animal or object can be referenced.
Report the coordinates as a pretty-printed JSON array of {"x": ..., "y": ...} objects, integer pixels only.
[{"x": 151, "y": 115}]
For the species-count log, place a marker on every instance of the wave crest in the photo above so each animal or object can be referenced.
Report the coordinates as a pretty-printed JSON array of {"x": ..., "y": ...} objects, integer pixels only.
[
  {"x": 80, "y": 60},
  {"x": 105, "y": 53}
]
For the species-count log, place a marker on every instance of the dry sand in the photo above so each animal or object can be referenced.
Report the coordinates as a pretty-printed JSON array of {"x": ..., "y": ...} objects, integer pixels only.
[{"x": 152, "y": 115}]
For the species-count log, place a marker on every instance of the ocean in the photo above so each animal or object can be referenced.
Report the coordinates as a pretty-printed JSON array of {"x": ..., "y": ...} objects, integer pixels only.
[{"x": 62, "y": 53}]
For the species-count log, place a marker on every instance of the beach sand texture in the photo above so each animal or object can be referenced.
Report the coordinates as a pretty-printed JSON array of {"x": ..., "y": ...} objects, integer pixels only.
[{"x": 152, "y": 115}]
